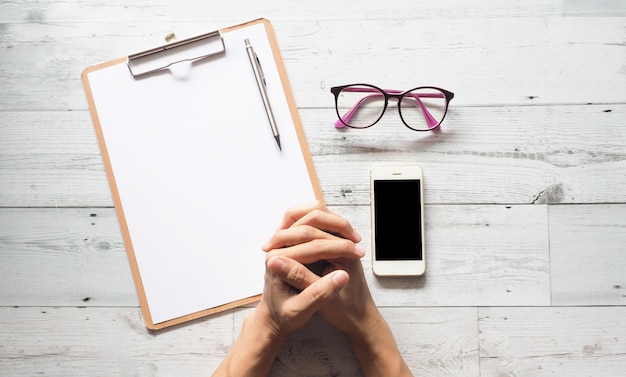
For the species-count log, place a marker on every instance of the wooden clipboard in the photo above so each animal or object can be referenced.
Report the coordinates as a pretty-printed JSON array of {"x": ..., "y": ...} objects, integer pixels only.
[{"x": 197, "y": 178}]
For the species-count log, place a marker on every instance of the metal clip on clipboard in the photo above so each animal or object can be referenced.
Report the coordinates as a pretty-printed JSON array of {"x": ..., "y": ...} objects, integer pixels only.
[{"x": 188, "y": 50}]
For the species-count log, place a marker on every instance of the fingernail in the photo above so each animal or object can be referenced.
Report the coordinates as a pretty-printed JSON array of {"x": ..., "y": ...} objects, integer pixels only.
[
  {"x": 356, "y": 235},
  {"x": 340, "y": 277},
  {"x": 278, "y": 263},
  {"x": 359, "y": 250}
]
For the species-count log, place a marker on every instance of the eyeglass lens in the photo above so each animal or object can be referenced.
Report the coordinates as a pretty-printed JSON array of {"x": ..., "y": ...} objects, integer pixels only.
[{"x": 360, "y": 106}]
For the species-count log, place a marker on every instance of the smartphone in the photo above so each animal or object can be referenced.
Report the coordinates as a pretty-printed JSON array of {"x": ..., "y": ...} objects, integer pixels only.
[{"x": 397, "y": 210}]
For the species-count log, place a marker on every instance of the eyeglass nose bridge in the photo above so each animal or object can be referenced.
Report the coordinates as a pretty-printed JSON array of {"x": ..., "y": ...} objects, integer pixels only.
[
  {"x": 390, "y": 94},
  {"x": 396, "y": 94}
]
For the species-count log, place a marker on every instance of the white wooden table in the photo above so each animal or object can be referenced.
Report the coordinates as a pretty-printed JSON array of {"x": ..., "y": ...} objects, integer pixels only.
[{"x": 525, "y": 184}]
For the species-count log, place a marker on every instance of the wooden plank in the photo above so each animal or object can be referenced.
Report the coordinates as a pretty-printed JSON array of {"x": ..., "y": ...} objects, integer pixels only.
[
  {"x": 530, "y": 154},
  {"x": 587, "y": 254},
  {"x": 63, "y": 257},
  {"x": 50, "y": 159},
  {"x": 493, "y": 55},
  {"x": 107, "y": 342},
  {"x": 584, "y": 8},
  {"x": 533, "y": 154},
  {"x": 190, "y": 10},
  {"x": 67, "y": 341},
  {"x": 433, "y": 341},
  {"x": 477, "y": 255},
  {"x": 575, "y": 341},
  {"x": 436, "y": 341}
]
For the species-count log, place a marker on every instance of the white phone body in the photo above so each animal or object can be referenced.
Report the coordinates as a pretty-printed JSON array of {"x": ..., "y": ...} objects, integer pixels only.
[{"x": 397, "y": 210}]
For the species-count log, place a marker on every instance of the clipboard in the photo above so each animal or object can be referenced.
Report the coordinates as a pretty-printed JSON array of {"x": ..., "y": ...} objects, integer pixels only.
[{"x": 196, "y": 176}]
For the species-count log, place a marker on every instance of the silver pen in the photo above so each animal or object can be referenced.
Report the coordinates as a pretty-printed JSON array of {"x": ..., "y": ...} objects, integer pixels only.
[{"x": 260, "y": 80}]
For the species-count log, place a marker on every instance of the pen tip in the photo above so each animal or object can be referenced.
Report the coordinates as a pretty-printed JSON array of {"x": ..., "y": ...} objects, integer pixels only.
[{"x": 278, "y": 141}]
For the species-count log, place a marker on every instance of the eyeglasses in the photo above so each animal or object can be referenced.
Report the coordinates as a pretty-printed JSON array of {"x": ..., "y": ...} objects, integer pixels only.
[{"x": 362, "y": 105}]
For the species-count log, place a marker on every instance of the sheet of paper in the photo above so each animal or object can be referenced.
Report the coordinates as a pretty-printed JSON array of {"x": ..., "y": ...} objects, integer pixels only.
[{"x": 200, "y": 177}]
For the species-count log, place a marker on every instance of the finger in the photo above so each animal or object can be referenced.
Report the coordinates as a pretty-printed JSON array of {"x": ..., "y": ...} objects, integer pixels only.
[
  {"x": 291, "y": 272},
  {"x": 294, "y": 214},
  {"x": 329, "y": 222},
  {"x": 318, "y": 294},
  {"x": 321, "y": 249},
  {"x": 316, "y": 214},
  {"x": 294, "y": 236}
]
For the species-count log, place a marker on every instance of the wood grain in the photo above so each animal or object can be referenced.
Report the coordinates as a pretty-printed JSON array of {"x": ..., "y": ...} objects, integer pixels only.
[
  {"x": 434, "y": 342},
  {"x": 538, "y": 342},
  {"x": 548, "y": 50},
  {"x": 63, "y": 257},
  {"x": 507, "y": 155},
  {"x": 588, "y": 254},
  {"x": 165, "y": 11},
  {"x": 477, "y": 255},
  {"x": 106, "y": 342}
]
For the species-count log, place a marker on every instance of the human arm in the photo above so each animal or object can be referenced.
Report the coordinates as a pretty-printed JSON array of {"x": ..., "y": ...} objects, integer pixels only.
[{"x": 352, "y": 310}]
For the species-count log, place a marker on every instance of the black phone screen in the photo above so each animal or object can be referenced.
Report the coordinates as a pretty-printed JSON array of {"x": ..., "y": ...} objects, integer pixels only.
[{"x": 398, "y": 219}]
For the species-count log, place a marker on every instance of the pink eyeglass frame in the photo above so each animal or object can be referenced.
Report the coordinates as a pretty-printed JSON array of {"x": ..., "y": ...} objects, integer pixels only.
[{"x": 390, "y": 93}]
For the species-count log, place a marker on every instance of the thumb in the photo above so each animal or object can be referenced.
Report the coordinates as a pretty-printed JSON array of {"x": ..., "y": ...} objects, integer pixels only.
[{"x": 320, "y": 293}]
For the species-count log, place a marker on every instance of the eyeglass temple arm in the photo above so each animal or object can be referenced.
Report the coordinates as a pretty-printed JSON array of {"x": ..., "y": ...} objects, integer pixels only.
[
  {"x": 347, "y": 116},
  {"x": 432, "y": 122}
]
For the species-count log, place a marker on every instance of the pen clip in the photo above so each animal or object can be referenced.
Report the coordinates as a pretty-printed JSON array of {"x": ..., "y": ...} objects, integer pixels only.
[{"x": 260, "y": 69}]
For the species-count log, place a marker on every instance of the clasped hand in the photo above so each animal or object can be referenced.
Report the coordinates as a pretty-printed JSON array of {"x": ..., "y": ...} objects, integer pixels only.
[
  {"x": 312, "y": 234},
  {"x": 313, "y": 264}
]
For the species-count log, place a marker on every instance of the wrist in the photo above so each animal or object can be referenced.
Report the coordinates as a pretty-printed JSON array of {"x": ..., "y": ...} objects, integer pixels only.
[
  {"x": 262, "y": 328},
  {"x": 254, "y": 351},
  {"x": 376, "y": 349},
  {"x": 363, "y": 327},
  {"x": 262, "y": 338}
]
